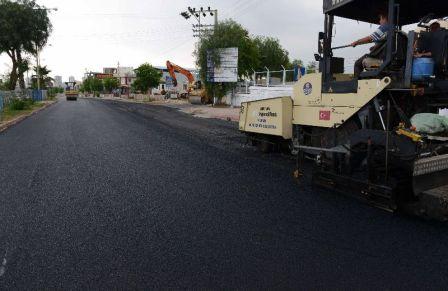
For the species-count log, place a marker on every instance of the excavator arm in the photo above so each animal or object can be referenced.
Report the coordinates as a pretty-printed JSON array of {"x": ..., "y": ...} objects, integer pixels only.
[{"x": 172, "y": 69}]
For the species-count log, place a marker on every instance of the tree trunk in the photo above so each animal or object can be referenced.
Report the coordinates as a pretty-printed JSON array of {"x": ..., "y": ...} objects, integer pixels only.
[
  {"x": 20, "y": 73},
  {"x": 13, "y": 77}
]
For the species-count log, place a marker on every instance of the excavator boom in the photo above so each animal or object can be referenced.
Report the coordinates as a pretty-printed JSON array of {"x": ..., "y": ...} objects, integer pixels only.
[{"x": 172, "y": 69}]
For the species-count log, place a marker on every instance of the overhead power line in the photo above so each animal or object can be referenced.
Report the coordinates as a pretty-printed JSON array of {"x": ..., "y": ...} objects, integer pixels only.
[{"x": 115, "y": 15}]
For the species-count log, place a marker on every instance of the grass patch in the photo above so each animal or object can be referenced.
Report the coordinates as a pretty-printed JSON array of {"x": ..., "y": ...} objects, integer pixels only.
[
  {"x": 11, "y": 112},
  {"x": 148, "y": 100}
]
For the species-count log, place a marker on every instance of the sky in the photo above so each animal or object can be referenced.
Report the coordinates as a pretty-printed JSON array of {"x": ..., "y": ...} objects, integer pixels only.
[{"x": 91, "y": 34}]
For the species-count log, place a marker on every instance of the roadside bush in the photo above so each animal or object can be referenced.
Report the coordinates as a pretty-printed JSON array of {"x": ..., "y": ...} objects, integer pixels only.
[
  {"x": 20, "y": 104},
  {"x": 29, "y": 103},
  {"x": 52, "y": 92},
  {"x": 17, "y": 104}
]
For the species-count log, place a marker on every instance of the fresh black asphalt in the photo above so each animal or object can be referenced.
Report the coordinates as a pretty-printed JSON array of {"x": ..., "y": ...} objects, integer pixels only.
[{"x": 109, "y": 195}]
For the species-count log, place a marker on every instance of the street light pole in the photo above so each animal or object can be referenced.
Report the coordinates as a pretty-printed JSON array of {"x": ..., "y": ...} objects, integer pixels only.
[
  {"x": 37, "y": 50},
  {"x": 37, "y": 67}
]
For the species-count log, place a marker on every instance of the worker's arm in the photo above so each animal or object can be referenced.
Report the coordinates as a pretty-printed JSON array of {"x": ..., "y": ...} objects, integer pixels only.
[
  {"x": 364, "y": 40},
  {"x": 377, "y": 36}
]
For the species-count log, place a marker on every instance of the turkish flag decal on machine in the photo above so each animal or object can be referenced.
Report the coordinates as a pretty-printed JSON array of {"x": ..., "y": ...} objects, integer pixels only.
[{"x": 324, "y": 115}]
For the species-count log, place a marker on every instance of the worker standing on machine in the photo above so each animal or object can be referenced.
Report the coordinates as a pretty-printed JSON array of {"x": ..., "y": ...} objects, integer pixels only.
[{"x": 378, "y": 37}]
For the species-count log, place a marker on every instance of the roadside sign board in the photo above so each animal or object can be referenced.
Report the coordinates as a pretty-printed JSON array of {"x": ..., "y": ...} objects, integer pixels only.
[
  {"x": 227, "y": 71},
  {"x": 169, "y": 82},
  {"x": 103, "y": 76}
]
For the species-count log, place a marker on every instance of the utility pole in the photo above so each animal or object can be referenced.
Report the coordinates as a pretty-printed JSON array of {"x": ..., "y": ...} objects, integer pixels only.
[
  {"x": 199, "y": 29},
  {"x": 37, "y": 67}
]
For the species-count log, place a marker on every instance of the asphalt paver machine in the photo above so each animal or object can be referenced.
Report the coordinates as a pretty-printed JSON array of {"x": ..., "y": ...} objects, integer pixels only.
[{"x": 358, "y": 132}]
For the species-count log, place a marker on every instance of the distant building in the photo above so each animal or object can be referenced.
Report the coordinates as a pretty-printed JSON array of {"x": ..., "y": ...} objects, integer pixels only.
[
  {"x": 126, "y": 76},
  {"x": 58, "y": 82},
  {"x": 71, "y": 79},
  {"x": 110, "y": 71}
]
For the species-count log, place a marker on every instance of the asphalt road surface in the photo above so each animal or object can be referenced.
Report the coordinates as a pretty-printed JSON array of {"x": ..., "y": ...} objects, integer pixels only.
[{"x": 108, "y": 195}]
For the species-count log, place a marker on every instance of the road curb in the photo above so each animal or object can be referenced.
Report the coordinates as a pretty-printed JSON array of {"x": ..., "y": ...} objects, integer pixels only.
[{"x": 19, "y": 119}]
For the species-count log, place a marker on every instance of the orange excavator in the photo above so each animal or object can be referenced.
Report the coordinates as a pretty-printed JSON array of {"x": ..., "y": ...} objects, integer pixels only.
[
  {"x": 172, "y": 69},
  {"x": 195, "y": 93}
]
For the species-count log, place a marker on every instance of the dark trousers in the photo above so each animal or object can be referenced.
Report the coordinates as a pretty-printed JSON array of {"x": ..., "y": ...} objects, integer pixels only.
[{"x": 359, "y": 66}]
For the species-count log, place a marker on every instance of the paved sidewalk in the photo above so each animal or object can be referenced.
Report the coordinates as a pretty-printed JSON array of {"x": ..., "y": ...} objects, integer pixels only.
[
  {"x": 204, "y": 111},
  {"x": 201, "y": 111}
]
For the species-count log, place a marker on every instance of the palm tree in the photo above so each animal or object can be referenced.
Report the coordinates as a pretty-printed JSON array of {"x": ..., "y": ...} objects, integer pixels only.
[
  {"x": 45, "y": 80},
  {"x": 22, "y": 67}
]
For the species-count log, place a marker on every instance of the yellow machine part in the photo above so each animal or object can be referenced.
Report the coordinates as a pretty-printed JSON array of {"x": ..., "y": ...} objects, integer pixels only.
[
  {"x": 308, "y": 106},
  {"x": 415, "y": 137},
  {"x": 71, "y": 93},
  {"x": 314, "y": 108},
  {"x": 269, "y": 116}
]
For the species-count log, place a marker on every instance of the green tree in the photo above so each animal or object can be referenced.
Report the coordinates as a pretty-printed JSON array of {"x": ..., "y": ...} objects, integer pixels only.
[
  {"x": 4, "y": 83},
  {"x": 271, "y": 54},
  {"x": 22, "y": 67},
  {"x": 86, "y": 85},
  {"x": 54, "y": 91},
  {"x": 110, "y": 84},
  {"x": 45, "y": 79},
  {"x": 226, "y": 34},
  {"x": 24, "y": 28},
  {"x": 296, "y": 62},
  {"x": 97, "y": 85},
  {"x": 312, "y": 67},
  {"x": 147, "y": 77}
]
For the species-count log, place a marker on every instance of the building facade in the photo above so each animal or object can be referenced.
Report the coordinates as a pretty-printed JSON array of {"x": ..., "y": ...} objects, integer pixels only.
[
  {"x": 58, "y": 82},
  {"x": 126, "y": 77}
]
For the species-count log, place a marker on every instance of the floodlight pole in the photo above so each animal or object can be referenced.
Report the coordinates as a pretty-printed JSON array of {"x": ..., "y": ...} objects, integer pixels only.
[
  {"x": 197, "y": 13},
  {"x": 216, "y": 17}
]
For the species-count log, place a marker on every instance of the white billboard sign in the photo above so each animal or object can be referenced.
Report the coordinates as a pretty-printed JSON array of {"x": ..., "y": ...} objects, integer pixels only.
[{"x": 227, "y": 70}]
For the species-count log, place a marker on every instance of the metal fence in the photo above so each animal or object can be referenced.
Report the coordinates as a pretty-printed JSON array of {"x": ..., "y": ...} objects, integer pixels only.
[
  {"x": 243, "y": 87},
  {"x": 7, "y": 96},
  {"x": 279, "y": 78},
  {"x": 270, "y": 78}
]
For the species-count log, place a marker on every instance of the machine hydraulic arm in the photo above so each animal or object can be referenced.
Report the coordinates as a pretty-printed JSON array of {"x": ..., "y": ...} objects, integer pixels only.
[{"x": 172, "y": 69}]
